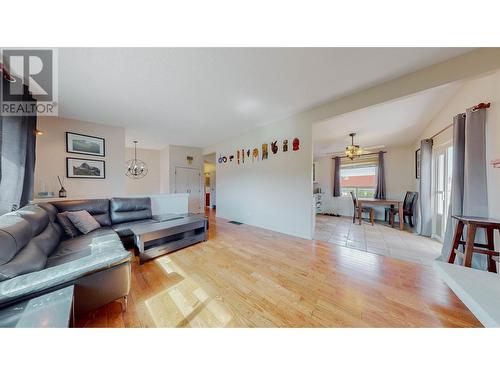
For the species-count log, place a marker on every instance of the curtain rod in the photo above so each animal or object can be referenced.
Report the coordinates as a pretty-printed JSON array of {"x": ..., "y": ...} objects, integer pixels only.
[
  {"x": 371, "y": 153},
  {"x": 475, "y": 108}
]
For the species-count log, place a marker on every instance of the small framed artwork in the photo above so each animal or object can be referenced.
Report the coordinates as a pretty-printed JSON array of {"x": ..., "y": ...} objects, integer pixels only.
[
  {"x": 85, "y": 168},
  {"x": 84, "y": 144},
  {"x": 417, "y": 164}
]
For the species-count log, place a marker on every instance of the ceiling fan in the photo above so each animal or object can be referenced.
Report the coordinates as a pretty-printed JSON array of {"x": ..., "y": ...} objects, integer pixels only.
[{"x": 354, "y": 151}]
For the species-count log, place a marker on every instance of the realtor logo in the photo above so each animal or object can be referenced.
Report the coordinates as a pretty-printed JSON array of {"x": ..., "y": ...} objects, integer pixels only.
[{"x": 29, "y": 85}]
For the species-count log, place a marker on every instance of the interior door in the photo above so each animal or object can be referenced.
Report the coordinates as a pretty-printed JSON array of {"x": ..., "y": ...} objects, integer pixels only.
[
  {"x": 443, "y": 165},
  {"x": 195, "y": 190},
  {"x": 188, "y": 180}
]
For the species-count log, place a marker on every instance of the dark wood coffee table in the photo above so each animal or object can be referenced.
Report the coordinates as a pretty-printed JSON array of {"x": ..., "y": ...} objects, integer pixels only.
[{"x": 155, "y": 239}]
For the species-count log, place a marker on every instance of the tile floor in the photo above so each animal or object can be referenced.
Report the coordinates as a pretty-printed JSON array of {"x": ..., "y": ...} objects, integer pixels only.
[{"x": 379, "y": 238}]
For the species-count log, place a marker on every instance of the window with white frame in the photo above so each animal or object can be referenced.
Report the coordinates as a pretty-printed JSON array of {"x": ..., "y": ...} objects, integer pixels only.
[{"x": 359, "y": 178}]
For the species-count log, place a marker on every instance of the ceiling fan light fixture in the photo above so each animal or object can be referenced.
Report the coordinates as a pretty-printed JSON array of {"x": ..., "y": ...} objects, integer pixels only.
[{"x": 353, "y": 151}]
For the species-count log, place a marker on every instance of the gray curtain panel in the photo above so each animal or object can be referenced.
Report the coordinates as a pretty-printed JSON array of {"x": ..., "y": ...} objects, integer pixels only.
[
  {"x": 336, "y": 176},
  {"x": 380, "y": 190},
  {"x": 469, "y": 194},
  {"x": 457, "y": 183},
  {"x": 17, "y": 159},
  {"x": 425, "y": 188}
]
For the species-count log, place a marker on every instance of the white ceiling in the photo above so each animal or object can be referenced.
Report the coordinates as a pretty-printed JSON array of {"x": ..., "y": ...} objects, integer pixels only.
[
  {"x": 201, "y": 96},
  {"x": 395, "y": 123}
]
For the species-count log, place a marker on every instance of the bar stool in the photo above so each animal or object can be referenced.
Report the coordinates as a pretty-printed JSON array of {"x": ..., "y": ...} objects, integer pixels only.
[{"x": 470, "y": 246}]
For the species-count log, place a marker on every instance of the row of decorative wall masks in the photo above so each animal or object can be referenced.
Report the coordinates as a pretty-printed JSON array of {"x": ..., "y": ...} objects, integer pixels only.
[{"x": 253, "y": 154}]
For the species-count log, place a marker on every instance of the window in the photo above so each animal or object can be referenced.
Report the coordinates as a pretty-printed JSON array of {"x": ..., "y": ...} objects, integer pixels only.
[{"x": 358, "y": 178}]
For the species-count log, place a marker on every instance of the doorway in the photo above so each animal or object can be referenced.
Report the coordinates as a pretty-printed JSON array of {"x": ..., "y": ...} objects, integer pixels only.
[
  {"x": 443, "y": 169},
  {"x": 188, "y": 180},
  {"x": 209, "y": 172}
]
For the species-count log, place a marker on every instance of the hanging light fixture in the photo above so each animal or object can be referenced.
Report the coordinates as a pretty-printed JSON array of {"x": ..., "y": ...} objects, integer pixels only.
[
  {"x": 353, "y": 151},
  {"x": 136, "y": 168}
]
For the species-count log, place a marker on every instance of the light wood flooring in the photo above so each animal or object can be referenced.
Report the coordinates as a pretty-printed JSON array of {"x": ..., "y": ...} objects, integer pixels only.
[{"x": 250, "y": 277}]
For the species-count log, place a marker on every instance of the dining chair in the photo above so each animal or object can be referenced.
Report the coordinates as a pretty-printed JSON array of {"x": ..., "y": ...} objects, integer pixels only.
[
  {"x": 368, "y": 210},
  {"x": 408, "y": 209}
]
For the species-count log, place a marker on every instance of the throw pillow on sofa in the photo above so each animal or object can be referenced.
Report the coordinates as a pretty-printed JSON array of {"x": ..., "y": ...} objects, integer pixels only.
[
  {"x": 67, "y": 225},
  {"x": 83, "y": 221}
]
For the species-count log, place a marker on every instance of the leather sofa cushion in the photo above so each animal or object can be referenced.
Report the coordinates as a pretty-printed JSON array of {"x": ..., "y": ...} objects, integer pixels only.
[
  {"x": 48, "y": 240},
  {"x": 51, "y": 210},
  {"x": 103, "y": 239},
  {"x": 36, "y": 216},
  {"x": 98, "y": 208},
  {"x": 15, "y": 233},
  {"x": 105, "y": 252},
  {"x": 33, "y": 256},
  {"x": 83, "y": 221},
  {"x": 130, "y": 209},
  {"x": 30, "y": 259}
]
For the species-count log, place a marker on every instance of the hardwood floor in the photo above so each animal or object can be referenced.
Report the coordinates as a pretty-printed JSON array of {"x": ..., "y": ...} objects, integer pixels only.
[{"x": 250, "y": 277}]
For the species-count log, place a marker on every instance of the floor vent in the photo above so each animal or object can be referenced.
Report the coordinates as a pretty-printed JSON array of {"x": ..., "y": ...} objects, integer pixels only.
[{"x": 235, "y": 222}]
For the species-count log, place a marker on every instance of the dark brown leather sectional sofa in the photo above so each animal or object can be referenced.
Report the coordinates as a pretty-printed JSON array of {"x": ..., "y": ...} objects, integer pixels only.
[{"x": 37, "y": 257}]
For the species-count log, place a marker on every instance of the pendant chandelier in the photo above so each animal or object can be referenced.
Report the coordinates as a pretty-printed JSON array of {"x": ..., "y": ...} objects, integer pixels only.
[
  {"x": 136, "y": 168},
  {"x": 353, "y": 151}
]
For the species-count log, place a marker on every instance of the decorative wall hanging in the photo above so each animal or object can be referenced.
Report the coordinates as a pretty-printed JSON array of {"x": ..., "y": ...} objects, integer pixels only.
[
  {"x": 136, "y": 168},
  {"x": 274, "y": 147},
  {"x": 240, "y": 156},
  {"x": 84, "y": 144},
  {"x": 255, "y": 154},
  {"x": 265, "y": 153},
  {"x": 85, "y": 168}
]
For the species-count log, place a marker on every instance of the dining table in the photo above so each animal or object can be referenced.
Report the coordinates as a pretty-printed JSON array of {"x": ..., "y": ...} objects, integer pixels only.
[{"x": 381, "y": 202}]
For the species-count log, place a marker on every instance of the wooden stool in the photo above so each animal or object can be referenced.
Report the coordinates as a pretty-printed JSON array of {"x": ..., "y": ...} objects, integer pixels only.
[{"x": 470, "y": 246}]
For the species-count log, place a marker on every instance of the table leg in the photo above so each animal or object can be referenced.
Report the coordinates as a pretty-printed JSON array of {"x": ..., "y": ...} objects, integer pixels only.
[
  {"x": 469, "y": 244},
  {"x": 456, "y": 242},
  {"x": 401, "y": 218},
  {"x": 492, "y": 264},
  {"x": 360, "y": 210}
]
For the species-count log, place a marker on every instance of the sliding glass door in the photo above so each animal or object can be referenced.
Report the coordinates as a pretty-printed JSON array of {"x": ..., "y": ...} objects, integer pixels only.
[{"x": 443, "y": 166}]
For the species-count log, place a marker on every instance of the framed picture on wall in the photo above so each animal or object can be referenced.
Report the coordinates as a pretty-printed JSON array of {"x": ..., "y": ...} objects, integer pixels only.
[
  {"x": 85, "y": 168},
  {"x": 84, "y": 144},
  {"x": 417, "y": 164}
]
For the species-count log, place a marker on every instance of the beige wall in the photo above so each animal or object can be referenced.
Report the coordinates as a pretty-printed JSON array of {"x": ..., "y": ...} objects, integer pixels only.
[
  {"x": 51, "y": 158},
  {"x": 151, "y": 183},
  {"x": 165, "y": 170},
  {"x": 485, "y": 88}
]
